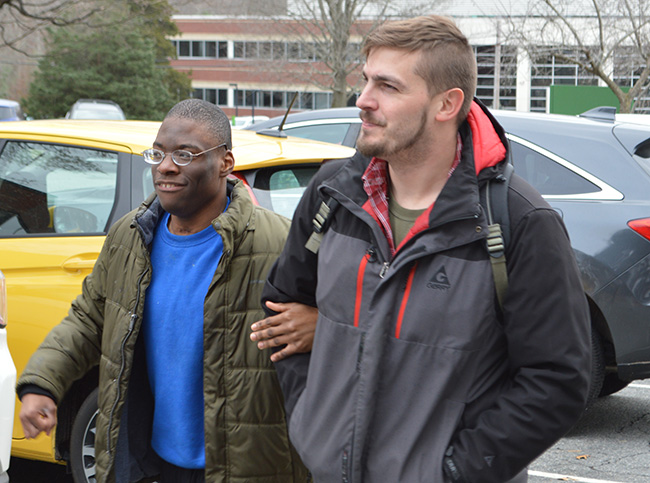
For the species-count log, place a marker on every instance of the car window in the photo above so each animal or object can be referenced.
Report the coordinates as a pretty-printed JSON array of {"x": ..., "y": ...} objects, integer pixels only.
[
  {"x": 9, "y": 113},
  {"x": 547, "y": 176},
  {"x": 329, "y": 133},
  {"x": 113, "y": 115},
  {"x": 49, "y": 188},
  {"x": 280, "y": 189},
  {"x": 147, "y": 181}
]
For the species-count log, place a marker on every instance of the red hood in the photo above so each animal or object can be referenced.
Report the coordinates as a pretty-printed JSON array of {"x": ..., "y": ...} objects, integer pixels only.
[{"x": 488, "y": 148}]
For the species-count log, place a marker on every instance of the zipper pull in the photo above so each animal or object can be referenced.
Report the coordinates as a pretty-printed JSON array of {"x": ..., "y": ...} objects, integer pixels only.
[{"x": 384, "y": 269}]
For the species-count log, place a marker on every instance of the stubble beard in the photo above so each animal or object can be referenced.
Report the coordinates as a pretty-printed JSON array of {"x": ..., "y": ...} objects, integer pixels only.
[{"x": 397, "y": 143}]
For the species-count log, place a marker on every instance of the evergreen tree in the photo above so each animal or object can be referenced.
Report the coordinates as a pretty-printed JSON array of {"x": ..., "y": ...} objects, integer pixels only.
[{"x": 123, "y": 62}]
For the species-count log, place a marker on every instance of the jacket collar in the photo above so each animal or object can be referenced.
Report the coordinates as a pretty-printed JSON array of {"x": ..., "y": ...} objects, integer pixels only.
[
  {"x": 485, "y": 148},
  {"x": 231, "y": 224}
]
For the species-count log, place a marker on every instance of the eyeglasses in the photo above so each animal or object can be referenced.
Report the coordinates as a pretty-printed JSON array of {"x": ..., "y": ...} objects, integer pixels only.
[{"x": 180, "y": 157}]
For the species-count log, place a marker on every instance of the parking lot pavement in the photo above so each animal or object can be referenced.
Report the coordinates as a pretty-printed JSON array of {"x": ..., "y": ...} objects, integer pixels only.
[{"x": 610, "y": 444}]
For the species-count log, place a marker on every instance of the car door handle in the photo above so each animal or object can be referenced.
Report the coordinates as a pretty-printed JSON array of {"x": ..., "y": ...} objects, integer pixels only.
[{"x": 82, "y": 261}]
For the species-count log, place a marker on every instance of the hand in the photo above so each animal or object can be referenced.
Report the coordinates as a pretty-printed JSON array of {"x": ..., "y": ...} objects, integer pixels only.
[
  {"x": 294, "y": 325},
  {"x": 38, "y": 413}
]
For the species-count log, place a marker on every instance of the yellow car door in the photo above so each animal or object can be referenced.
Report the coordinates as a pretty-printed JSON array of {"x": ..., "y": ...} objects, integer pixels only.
[{"x": 57, "y": 200}]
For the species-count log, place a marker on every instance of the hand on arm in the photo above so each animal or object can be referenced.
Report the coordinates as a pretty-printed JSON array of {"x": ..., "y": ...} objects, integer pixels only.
[
  {"x": 293, "y": 325},
  {"x": 38, "y": 413}
]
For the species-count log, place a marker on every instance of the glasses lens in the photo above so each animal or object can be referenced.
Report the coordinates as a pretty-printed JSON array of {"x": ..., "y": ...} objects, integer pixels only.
[
  {"x": 182, "y": 157},
  {"x": 153, "y": 156}
]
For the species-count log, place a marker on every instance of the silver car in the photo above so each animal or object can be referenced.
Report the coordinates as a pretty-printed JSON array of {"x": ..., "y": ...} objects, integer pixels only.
[{"x": 95, "y": 109}]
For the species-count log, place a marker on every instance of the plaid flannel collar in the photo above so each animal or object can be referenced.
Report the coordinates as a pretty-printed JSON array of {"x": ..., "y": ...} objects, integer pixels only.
[{"x": 375, "y": 184}]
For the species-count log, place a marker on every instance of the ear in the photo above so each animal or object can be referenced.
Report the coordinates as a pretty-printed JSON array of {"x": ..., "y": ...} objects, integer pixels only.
[
  {"x": 227, "y": 164},
  {"x": 452, "y": 101}
]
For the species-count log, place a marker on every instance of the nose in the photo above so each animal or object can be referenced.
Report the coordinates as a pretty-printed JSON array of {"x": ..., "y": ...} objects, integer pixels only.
[
  {"x": 167, "y": 164},
  {"x": 365, "y": 100}
]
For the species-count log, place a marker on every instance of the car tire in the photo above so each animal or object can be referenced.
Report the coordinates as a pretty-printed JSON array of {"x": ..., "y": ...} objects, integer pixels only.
[
  {"x": 82, "y": 441},
  {"x": 597, "y": 368},
  {"x": 612, "y": 384}
]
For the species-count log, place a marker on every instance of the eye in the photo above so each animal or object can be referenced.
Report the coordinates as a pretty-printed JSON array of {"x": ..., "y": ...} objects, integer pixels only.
[
  {"x": 153, "y": 155},
  {"x": 183, "y": 156}
]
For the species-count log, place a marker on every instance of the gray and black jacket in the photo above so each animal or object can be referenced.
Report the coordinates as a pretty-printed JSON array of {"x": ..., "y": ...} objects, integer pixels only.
[{"x": 412, "y": 357}]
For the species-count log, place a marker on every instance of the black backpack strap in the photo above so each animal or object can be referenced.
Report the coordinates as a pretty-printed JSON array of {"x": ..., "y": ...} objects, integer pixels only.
[
  {"x": 321, "y": 222},
  {"x": 494, "y": 198}
]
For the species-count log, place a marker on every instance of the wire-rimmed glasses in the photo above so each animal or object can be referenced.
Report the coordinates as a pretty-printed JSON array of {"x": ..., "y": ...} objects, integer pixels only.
[{"x": 180, "y": 157}]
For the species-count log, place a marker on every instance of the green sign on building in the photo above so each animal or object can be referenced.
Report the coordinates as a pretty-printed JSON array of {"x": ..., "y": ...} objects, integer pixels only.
[{"x": 575, "y": 100}]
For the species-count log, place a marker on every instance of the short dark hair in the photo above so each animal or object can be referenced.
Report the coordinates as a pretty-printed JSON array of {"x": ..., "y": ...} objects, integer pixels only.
[
  {"x": 448, "y": 60},
  {"x": 206, "y": 113}
]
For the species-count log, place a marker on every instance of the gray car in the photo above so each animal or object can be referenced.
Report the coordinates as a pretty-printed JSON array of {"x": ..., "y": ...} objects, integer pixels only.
[
  {"x": 338, "y": 125},
  {"x": 95, "y": 109},
  {"x": 595, "y": 171}
]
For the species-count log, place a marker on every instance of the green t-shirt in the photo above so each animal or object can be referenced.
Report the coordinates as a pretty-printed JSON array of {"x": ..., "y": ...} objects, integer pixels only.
[{"x": 401, "y": 220}]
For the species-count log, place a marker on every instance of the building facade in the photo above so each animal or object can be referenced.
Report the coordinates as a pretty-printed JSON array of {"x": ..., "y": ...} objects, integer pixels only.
[{"x": 255, "y": 65}]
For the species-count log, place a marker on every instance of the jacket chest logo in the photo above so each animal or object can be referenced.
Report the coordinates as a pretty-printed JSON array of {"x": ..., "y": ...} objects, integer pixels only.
[{"x": 439, "y": 281}]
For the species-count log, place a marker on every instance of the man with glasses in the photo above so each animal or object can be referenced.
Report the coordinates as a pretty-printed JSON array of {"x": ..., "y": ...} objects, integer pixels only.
[{"x": 184, "y": 395}]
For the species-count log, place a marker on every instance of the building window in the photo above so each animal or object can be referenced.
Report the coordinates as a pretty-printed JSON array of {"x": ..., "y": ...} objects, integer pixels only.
[
  {"x": 201, "y": 49},
  {"x": 279, "y": 51},
  {"x": 183, "y": 48},
  {"x": 197, "y": 49},
  {"x": 547, "y": 70},
  {"x": 238, "y": 50},
  {"x": 497, "y": 75},
  {"x": 215, "y": 96},
  {"x": 211, "y": 49},
  {"x": 281, "y": 99}
]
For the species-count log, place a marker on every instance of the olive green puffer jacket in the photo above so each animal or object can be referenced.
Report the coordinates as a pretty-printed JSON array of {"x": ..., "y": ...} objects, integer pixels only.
[{"x": 245, "y": 429}]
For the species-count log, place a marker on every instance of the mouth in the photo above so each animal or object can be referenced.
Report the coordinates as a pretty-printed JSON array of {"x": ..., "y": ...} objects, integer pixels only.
[
  {"x": 168, "y": 186},
  {"x": 369, "y": 121}
]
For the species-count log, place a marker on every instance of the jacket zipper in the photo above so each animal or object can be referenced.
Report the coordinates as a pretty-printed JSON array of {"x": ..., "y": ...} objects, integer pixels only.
[
  {"x": 409, "y": 258},
  {"x": 384, "y": 269},
  {"x": 132, "y": 321},
  {"x": 345, "y": 466}
]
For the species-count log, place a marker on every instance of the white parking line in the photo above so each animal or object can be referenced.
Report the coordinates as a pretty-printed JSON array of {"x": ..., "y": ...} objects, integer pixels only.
[{"x": 555, "y": 476}]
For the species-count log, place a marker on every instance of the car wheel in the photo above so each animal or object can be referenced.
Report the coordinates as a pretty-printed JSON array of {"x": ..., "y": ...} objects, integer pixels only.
[
  {"x": 82, "y": 441},
  {"x": 612, "y": 384},
  {"x": 597, "y": 368}
]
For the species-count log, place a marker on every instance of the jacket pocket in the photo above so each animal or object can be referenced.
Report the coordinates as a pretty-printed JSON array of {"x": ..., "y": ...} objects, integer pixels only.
[
  {"x": 411, "y": 448},
  {"x": 322, "y": 423}
]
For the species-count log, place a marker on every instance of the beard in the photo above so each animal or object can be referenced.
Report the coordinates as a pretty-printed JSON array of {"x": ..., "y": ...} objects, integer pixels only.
[{"x": 394, "y": 140}]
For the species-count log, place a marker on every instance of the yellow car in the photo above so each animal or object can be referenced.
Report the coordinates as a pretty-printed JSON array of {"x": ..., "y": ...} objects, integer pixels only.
[{"x": 62, "y": 184}]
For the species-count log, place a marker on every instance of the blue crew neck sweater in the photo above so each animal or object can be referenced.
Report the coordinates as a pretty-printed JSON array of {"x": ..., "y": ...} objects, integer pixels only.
[{"x": 183, "y": 268}]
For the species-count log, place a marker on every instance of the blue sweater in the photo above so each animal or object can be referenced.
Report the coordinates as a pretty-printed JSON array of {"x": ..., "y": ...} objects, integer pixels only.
[{"x": 183, "y": 268}]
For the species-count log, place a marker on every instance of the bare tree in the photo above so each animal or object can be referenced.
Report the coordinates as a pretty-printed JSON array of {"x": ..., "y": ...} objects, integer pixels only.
[
  {"x": 609, "y": 39},
  {"x": 19, "y": 19},
  {"x": 330, "y": 33}
]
